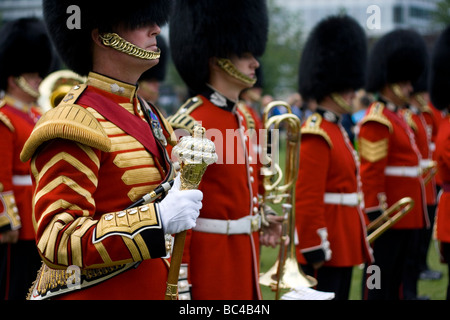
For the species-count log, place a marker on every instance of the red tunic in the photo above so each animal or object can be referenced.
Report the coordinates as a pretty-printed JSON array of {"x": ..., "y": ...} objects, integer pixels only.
[
  {"x": 328, "y": 165},
  {"x": 433, "y": 118},
  {"x": 82, "y": 188},
  {"x": 386, "y": 142},
  {"x": 16, "y": 123},
  {"x": 224, "y": 266},
  {"x": 443, "y": 160}
]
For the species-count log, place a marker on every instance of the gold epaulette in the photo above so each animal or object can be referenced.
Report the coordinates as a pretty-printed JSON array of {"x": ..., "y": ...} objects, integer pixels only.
[
  {"x": 4, "y": 118},
  {"x": 312, "y": 126},
  {"x": 408, "y": 116},
  {"x": 182, "y": 119},
  {"x": 376, "y": 114},
  {"x": 249, "y": 120},
  {"x": 67, "y": 121}
]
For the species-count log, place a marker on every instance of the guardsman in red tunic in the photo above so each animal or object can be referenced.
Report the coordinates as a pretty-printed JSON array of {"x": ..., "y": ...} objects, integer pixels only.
[
  {"x": 25, "y": 59},
  {"x": 433, "y": 118},
  {"x": 214, "y": 46},
  {"x": 390, "y": 157},
  {"x": 415, "y": 115},
  {"x": 99, "y": 151},
  {"x": 438, "y": 89},
  {"x": 331, "y": 225}
]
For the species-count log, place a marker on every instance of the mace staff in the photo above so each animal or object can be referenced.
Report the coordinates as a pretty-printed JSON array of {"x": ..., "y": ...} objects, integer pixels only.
[{"x": 194, "y": 153}]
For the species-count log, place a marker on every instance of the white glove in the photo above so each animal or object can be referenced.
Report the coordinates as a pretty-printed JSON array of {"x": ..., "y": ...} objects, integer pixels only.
[{"x": 180, "y": 209}]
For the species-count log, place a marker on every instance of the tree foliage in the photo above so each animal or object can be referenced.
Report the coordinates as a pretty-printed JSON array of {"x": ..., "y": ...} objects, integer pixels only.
[
  {"x": 441, "y": 16},
  {"x": 282, "y": 56}
]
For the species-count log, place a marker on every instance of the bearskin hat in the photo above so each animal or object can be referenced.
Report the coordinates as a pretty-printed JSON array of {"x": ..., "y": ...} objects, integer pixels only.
[
  {"x": 333, "y": 59},
  {"x": 24, "y": 48},
  {"x": 398, "y": 56},
  {"x": 158, "y": 72},
  {"x": 259, "y": 77},
  {"x": 201, "y": 29},
  {"x": 439, "y": 80},
  {"x": 73, "y": 42},
  {"x": 421, "y": 84}
]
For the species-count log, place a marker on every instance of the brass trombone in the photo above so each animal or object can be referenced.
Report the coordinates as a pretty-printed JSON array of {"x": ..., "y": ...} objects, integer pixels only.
[
  {"x": 388, "y": 218},
  {"x": 280, "y": 190}
]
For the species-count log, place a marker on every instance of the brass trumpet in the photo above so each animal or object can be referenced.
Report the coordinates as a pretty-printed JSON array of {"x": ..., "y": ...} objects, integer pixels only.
[
  {"x": 280, "y": 189},
  {"x": 389, "y": 217},
  {"x": 55, "y": 86}
]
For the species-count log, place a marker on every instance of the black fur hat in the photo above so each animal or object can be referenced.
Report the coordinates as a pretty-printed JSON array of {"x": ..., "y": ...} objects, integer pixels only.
[
  {"x": 73, "y": 44},
  {"x": 259, "y": 73},
  {"x": 24, "y": 48},
  {"x": 201, "y": 29},
  {"x": 398, "y": 56},
  {"x": 439, "y": 80},
  {"x": 421, "y": 85},
  {"x": 159, "y": 71},
  {"x": 333, "y": 59}
]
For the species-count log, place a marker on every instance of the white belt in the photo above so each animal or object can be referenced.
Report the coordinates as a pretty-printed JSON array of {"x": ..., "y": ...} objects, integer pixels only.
[
  {"x": 24, "y": 180},
  {"x": 346, "y": 199},
  {"x": 403, "y": 171},
  {"x": 245, "y": 225},
  {"x": 426, "y": 163}
]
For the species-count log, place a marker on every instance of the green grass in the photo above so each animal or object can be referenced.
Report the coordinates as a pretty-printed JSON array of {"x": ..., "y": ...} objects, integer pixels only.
[
  {"x": 435, "y": 289},
  {"x": 268, "y": 258}
]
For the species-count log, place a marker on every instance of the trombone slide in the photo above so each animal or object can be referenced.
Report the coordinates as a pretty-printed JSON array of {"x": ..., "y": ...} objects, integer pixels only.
[{"x": 389, "y": 217}]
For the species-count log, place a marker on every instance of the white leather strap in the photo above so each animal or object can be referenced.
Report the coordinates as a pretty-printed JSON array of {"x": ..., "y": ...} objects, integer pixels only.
[
  {"x": 346, "y": 199},
  {"x": 24, "y": 180},
  {"x": 245, "y": 225},
  {"x": 403, "y": 171},
  {"x": 426, "y": 163}
]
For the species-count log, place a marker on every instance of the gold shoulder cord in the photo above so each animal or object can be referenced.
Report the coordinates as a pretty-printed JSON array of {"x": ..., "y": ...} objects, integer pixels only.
[
  {"x": 114, "y": 41},
  {"x": 312, "y": 126}
]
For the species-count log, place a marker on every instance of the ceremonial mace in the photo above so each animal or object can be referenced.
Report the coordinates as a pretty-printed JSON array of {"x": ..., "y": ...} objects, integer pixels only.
[{"x": 194, "y": 153}]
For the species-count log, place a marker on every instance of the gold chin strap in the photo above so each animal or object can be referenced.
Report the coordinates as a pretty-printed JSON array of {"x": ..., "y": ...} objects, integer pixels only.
[
  {"x": 115, "y": 41},
  {"x": 398, "y": 93},
  {"x": 25, "y": 86},
  {"x": 420, "y": 98},
  {"x": 230, "y": 68},
  {"x": 341, "y": 102}
]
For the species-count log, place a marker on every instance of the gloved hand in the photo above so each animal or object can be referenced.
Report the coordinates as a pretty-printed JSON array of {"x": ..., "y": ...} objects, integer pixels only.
[{"x": 180, "y": 209}]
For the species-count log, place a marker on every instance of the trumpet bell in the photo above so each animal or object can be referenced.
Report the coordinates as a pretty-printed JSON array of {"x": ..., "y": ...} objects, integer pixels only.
[
  {"x": 55, "y": 86},
  {"x": 292, "y": 276}
]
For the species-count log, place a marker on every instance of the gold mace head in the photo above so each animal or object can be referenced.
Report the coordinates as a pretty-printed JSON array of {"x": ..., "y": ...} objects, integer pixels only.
[{"x": 194, "y": 153}]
